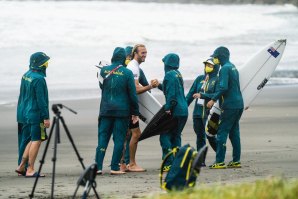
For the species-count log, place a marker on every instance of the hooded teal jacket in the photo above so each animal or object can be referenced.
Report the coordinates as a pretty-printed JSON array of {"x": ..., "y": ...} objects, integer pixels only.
[
  {"x": 198, "y": 111},
  {"x": 119, "y": 97},
  {"x": 228, "y": 88},
  {"x": 173, "y": 86},
  {"x": 22, "y": 101},
  {"x": 206, "y": 89},
  {"x": 33, "y": 103}
]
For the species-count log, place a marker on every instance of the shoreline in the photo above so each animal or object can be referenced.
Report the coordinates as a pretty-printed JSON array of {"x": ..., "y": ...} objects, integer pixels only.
[
  {"x": 96, "y": 93},
  {"x": 268, "y": 135}
]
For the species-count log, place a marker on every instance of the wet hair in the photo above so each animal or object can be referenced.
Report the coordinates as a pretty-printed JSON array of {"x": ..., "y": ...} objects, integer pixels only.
[{"x": 136, "y": 49}]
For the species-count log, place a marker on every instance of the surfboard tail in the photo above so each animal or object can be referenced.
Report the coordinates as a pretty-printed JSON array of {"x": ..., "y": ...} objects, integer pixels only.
[
  {"x": 212, "y": 125},
  {"x": 160, "y": 123},
  {"x": 212, "y": 122}
]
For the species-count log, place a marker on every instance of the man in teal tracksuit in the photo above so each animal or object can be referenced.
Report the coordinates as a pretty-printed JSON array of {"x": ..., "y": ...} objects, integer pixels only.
[
  {"x": 119, "y": 102},
  {"x": 200, "y": 90},
  {"x": 231, "y": 102},
  {"x": 176, "y": 105},
  {"x": 33, "y": 111}
]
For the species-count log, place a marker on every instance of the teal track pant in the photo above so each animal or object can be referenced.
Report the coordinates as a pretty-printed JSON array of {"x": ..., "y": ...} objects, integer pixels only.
[
  {"x": 172, "y": 138},
  {"x": 229, "y": 127},
  {"x": 116, "y": 126}
]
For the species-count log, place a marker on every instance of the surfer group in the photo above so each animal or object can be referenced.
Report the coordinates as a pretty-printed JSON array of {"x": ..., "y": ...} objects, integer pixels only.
[{"x": 119, "y": 113}]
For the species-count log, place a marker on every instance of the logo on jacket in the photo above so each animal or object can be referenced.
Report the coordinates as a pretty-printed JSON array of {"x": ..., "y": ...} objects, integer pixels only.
[
  {"x": 114, "y": 73},
  {"x": 27, "y": 79}
]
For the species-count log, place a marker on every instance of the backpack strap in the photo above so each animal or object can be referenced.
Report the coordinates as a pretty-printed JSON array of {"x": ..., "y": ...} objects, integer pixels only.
[
  {"x": 185, "y": 156},
  {"x": 189, "y": 169},
  {"x": 173, "y": 152},
  {"x": 112, "y": 71}
]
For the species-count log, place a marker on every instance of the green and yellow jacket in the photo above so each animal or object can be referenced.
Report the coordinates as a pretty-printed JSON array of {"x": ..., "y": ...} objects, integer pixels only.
[
  {"x": 228, "y": 89},
  {"x": 119, "y": 97},
  {"x": 173, "y": 86},
  {"x": 205, "y": 85},
  {"x": 33, "y": 103}
]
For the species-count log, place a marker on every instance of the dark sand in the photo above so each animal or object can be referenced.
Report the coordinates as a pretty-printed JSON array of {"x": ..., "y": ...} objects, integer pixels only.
[{"x": 269, "y": 148}]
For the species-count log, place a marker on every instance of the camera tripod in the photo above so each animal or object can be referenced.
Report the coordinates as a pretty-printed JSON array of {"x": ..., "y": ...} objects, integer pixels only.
[{"x": 55, "y": 125}]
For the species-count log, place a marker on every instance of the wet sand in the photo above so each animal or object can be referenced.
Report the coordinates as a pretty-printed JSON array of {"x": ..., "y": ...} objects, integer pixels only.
[{"x": 268, "y": 135}]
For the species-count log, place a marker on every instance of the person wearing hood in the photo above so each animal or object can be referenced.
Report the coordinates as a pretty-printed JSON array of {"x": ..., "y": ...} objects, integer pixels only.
[
  {"x": 119, "y": 105},
  {"x": 175, "y": 104},
  {"x": 33, "y": 112},
  {"x": 200, "y": 90},
  {"x": 231, "y": 103}
]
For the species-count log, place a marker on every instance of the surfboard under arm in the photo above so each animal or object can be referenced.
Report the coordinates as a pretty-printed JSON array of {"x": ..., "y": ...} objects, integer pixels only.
[{"x": 255, "y": 73}]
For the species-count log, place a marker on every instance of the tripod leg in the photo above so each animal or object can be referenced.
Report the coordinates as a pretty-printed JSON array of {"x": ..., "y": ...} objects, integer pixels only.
[
  {"x": 43, "y": 157},
  {"x": 75, "y": 193},
  {"x": 77, "y": 152},
  {"x": 57, "y": 130},
  {"x": 72, "y": 142}
]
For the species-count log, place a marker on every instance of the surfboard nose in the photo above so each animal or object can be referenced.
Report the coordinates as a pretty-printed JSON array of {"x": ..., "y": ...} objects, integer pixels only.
[{"x": 283, "y": 41}]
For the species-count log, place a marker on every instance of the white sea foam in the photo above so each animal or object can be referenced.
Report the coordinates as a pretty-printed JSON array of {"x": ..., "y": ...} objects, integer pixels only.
[{"x": 77, "y": 34}]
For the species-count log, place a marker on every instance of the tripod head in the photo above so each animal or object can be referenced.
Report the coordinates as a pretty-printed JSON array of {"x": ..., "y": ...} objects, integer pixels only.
[{"x": 55, "y": 108}]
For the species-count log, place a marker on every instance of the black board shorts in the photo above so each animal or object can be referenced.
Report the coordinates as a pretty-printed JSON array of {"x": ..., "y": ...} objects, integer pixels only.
[{"x": 133, "y": 126}]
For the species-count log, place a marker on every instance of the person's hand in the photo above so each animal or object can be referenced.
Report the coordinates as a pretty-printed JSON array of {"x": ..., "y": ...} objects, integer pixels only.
[
  {"x": 47, "y": 123},
  {"x": 168, "y": 112},
  {"x": 134, "y": 119},
  {"x": 210, "y": 103},
  {"x": 196, "y": 95},
  {"x": 154, "y": 83}
]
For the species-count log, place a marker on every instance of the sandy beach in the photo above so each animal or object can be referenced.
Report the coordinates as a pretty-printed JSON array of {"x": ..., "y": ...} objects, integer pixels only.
[{"x": 268, "y": 135}]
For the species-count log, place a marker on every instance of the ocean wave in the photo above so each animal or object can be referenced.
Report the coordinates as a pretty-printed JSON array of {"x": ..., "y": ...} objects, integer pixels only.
[
  {"x": 97, "y": 20},
  {"x": 283, "y": 81},
  {"x": 81, "y": 33},
  {"x": 285, "y": 74}
]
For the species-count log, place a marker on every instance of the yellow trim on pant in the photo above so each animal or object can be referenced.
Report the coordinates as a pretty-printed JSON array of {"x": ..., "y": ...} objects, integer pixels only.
[{"x": 42, "y": 131}]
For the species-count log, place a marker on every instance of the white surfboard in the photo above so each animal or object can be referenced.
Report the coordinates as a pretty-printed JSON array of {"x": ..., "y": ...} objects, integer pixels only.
[
  {"x": 148, "y": 104},
  {"x": 254, "y": 75}
]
